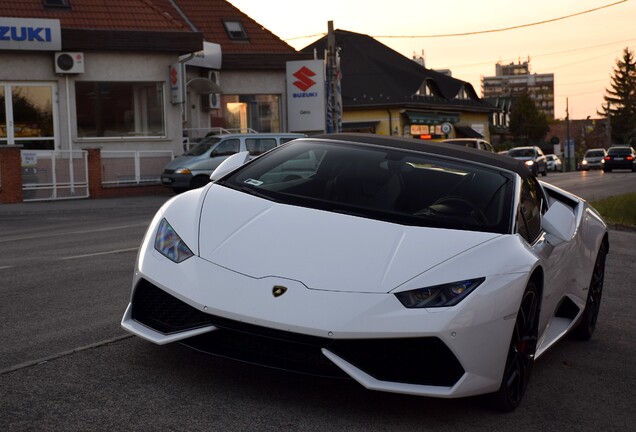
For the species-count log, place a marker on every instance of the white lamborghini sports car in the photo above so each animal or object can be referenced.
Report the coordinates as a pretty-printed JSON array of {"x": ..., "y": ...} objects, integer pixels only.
[{"x": 410, "y": 267}]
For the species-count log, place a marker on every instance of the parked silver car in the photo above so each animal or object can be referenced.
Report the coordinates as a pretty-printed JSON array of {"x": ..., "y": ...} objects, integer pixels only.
[
  {"x": 533, "y": 157},
  {"x": 192, "y": 169}
]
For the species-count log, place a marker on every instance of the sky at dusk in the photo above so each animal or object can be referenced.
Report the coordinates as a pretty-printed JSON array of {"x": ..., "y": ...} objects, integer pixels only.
[{"x": 578, "y": 41}]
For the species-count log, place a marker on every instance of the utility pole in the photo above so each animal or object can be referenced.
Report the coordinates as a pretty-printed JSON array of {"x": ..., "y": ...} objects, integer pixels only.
[
  {"x": 608, "y": 126},
  {"x": 334, "y": 92},
  {"x": 569, "y": 150}
]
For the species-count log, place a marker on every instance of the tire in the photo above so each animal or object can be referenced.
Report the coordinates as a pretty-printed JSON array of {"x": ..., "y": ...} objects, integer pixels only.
[
  {"x": 585, "y": 328},
  {"x": 521, "y": 351}
]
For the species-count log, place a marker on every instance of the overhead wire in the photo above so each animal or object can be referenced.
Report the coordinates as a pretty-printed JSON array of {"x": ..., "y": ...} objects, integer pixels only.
[{"x": 515, "y": 27}]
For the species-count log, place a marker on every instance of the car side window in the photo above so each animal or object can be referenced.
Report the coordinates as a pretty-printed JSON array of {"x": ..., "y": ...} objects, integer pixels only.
[
  {"x": 531, "y": 206},
  {"x": 226, "y": 148},
  {"x": 257, "y": 146}
]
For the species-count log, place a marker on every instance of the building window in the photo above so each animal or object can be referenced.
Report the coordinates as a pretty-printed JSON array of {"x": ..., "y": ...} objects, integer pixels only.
[
  {"x": 119, "y": 109},
  {"x": 57, "y": 3},
  {"x": 259, "y": 112},
  {"x": 235, "y": 30}
]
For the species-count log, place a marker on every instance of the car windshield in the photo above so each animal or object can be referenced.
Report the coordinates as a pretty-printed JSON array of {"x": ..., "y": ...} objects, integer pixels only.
[
  {"x": 521, "y": 152},
  {"x": 202, "y": 147},
  {"x": 595, "y": 153},
  {"x": 392, "y": 185}
]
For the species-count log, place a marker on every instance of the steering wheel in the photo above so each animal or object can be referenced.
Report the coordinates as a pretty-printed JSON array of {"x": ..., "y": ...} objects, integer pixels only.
[{"x": 474, "y": 211}]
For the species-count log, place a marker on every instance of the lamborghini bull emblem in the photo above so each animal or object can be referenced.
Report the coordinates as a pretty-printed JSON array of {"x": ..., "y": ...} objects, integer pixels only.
[{"x": 279, "y": 290}]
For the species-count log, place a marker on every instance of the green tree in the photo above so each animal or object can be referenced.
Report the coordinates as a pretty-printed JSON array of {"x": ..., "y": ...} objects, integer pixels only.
[
  {"x": 527, "y": 124},
  {"x": 620, "y": 100}
]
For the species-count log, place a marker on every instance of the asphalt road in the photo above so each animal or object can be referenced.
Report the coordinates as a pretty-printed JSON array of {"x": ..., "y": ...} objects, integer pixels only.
[{"x": 65, "y": 364}]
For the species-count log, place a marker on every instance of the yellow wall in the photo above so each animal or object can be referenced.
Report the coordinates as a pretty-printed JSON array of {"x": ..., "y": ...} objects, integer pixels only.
[{"x": 398, "y": 121}]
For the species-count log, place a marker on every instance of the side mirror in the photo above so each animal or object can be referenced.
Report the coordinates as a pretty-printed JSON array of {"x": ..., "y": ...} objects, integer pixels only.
[
  {"x": 559, "y": 223},
  {"x": 229, "y": 164}
]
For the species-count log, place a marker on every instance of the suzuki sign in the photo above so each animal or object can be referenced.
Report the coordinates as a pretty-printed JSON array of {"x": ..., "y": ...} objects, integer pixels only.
[
  {"x": 306, "y": 95},
  {"x": 30, "y": 34}
]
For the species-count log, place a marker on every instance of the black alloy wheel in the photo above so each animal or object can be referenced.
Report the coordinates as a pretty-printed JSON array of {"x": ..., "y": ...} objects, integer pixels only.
[
  {"x": 523, "y": 346},
  {"x": 585, "y": 328}
]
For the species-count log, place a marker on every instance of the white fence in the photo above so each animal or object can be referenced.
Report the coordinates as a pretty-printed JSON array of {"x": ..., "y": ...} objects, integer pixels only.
[
  {"x": 54, "y": 174},
  {"x": 133, "y": 167}
]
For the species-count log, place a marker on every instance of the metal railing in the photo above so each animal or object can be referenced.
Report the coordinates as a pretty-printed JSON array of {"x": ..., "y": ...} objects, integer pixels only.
[
  {"x": 133, "y": 167},
  {"x": 54, "y": 174}
]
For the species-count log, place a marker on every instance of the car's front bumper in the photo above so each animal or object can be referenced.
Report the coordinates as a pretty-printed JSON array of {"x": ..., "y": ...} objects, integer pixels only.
[
  {"x": 176, "y": 181},
  {"x": 371, "y": 337}
]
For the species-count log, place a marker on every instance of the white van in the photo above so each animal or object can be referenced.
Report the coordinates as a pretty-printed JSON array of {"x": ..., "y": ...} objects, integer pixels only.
[{"x": 193, "y": 168}]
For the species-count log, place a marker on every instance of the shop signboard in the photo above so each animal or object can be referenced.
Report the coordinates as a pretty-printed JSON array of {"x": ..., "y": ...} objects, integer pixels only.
[
  {"x": 306, "y": 95},
  {"x": 30, "y": 34}
]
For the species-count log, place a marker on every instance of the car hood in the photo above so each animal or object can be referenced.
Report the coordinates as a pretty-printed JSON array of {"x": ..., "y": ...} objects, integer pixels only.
[
  {"x": 320, "y": 249},
  {"x": 180, "y": 162}
]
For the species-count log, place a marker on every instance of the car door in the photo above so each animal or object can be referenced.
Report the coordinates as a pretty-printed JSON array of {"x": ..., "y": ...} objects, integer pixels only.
[{"x": 555, "y": 260}]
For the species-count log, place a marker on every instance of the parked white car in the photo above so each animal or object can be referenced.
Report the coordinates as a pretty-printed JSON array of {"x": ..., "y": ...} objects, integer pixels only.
[
  {"x": 407, "y": 266},
  {"x": 554, "y": 163}
]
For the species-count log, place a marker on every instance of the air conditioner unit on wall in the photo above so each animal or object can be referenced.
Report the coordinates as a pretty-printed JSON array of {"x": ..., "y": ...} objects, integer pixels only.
[
  {"x": 214, "y": 76},
  {"x": 212, "y": 100},
  {"x": 69, "y": 62}
]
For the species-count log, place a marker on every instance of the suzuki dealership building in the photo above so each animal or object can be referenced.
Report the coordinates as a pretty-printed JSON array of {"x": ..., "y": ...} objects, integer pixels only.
[{"x": 63, "y": 89}]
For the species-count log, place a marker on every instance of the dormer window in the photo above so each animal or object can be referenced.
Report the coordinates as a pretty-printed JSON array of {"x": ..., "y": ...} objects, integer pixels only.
[
  {"x": 426, "y": 89},
  {"x": 57, "y": 3},
  {"x": 235, "y": 30}
]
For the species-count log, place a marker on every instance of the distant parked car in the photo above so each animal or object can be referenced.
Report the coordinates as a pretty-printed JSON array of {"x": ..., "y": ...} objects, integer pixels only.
[
  {"x": 554, "y": 163},
  {"x": 593, "y": 159},
  {"x": 472, "y": 143},
  {"x": 533, "y": 157},
  {"x": 620, "y": 157}
]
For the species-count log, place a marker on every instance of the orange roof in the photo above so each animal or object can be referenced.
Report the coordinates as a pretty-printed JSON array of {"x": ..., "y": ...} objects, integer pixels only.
[
  {"x": 208, "y": 16},
  {"x": 155, "y": 15},
  {"x": 100, "y": 14}
]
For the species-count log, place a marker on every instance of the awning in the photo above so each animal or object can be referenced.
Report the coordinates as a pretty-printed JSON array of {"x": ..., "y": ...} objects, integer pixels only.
[
  {"x": 359, "y": 125},
  {"x": 429, "y": 118},
  {"x": 204, "y": 86},
  {"x": 467, "y": 132}
]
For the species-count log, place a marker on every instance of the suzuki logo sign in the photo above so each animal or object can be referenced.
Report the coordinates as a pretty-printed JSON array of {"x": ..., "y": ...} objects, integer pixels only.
[
  {"x": 304, "y": 75},
  {"x": 30, "y": 34},
  {"x": 306, "y": 95}
]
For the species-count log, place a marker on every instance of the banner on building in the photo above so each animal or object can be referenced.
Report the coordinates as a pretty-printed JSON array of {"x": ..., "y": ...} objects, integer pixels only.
[
  {"x": 30, "y": 34},
  {"x": 306, "y": 95}
]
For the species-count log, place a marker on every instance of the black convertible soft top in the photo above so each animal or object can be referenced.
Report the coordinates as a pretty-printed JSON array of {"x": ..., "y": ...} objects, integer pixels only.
[{"x": 448, "y": 150}]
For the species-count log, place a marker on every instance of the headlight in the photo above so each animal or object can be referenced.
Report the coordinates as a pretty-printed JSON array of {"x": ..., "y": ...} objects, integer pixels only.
[
  {"x": 584, "y": 162},
  {"x": 529, "y": 162},
  {"x": 438, "y": 296},
  {"x": 170, "y": 245},
  {"x": 182, "y": 171}
]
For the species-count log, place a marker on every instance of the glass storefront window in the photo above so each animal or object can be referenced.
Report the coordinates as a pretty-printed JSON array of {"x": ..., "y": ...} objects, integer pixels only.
[
  {"x": 258, "y": 112},
  {"x": 26, "y": 115},
  {"x": 119, "y": 109},
  {"x": 32, "y": 111}
]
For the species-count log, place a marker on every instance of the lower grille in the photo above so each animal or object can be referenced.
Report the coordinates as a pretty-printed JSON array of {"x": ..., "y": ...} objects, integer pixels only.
[
  {"x": 425, "y": 361},
  {"x": 164, "y": 313}
]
